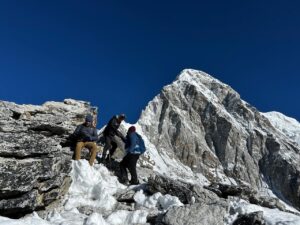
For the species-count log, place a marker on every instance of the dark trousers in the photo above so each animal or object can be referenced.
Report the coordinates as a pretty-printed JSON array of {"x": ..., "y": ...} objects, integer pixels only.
[
  {"x": 129, "y": 162},
  {"x": 110, "y": 144}
]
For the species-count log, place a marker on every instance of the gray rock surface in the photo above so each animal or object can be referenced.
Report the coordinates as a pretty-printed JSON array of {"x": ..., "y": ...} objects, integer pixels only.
[
  {"x": 246, "y": 193},
  {"x": 187, "y": 193},
  {"x": 198, "y": 213},
  {"x": 204, "y": 124},
  {"x": 35, "y": 156},
  {"x": 255, "y": 218},
  {"x": 201, "y": 206}
]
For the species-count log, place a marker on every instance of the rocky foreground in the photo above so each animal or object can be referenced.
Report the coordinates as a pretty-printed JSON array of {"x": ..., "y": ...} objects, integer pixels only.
[{"x": 35, "y": 156}]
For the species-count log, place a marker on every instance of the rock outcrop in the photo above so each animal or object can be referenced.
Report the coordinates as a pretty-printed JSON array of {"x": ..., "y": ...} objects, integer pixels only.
[
  {"x": 201, "y": 206},
  {"x": 186, "y": 193},
  {"x": 35, "y": 156},
  {"x": 198, "y": 213},
  {"x": 255, "y": 218},
  {"x": 204, "y": 124}
]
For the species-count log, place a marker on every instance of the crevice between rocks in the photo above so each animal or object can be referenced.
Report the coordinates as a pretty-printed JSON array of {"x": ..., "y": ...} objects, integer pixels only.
[
  {"x": 17, "y": 157},
  {"x": 48, "y": 130}
]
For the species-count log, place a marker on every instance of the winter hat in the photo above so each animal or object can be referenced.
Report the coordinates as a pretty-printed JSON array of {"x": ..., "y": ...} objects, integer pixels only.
[
  {"x": 131, "y": 129},
  {"x": 122, "y": 116},
  {"x": 89, "y": 118}
]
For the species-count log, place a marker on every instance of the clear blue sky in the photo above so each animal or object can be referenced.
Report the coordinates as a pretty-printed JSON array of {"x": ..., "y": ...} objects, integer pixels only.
[{"x": 119, "y": 54}]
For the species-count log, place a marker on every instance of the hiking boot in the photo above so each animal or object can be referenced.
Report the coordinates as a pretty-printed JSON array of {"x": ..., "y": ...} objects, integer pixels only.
[
  {"x": 124, "y": 181},
  {"x": 108, "y": 159},
  {"x": 98, "y": 159},
  {"x": 135, "y": 182}
]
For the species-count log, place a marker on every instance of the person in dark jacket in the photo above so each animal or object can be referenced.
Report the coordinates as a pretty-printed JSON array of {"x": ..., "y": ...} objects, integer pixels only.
[
  {"x": 133, "y": 152},
  {"x": 86, "y": 136},
  {"x": 110, "y": 133}
]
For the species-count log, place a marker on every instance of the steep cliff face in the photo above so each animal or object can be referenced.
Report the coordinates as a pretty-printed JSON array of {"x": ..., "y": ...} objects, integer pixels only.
[
  {"x": 35, "y": 158},
  {"x": 204, "y": 124}
]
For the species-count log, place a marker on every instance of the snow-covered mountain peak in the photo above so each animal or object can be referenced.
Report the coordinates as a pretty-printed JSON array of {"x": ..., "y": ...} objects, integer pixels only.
[
  {"x": 197, "y": 77},
  {"x": 212, "y": 88},
  {"x": 287, "y": 125},
  {"x": 285, "y": 119},
  {"x": 193, "y": 75}
]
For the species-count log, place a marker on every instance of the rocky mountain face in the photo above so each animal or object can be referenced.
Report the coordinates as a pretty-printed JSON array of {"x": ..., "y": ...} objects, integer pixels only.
[
  {"x": 204, "y": 124},
  {"x": 35, "y": 157}
]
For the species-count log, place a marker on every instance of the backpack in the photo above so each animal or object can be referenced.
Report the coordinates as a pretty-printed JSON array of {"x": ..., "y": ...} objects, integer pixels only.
[{"x": 140, "y": 144}]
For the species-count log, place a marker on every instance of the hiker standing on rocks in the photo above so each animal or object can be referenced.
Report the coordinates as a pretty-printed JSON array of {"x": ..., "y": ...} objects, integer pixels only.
[
  {"x": 134, "y": 146},
  {"x": 110, "y": 133},
  {"x": 86, "y": 136}
]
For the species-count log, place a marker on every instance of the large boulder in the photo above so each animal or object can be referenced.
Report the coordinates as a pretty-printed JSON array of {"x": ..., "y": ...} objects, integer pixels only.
[
  {"x": 186, "y": 193},
  {"x": 202, "y": 206},
  {"x": 35, "y": 155},
  {"x": 255, "y": 218}
]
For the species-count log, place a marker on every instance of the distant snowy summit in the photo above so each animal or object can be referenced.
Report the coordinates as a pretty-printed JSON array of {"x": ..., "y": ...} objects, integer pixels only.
[{"x": 287, "y": 125}]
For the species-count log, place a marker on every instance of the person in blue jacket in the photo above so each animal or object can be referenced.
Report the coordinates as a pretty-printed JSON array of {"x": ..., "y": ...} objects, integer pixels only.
[
  {"x": 134, "y": 146},
  {"x": 86, "y": 136}
]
